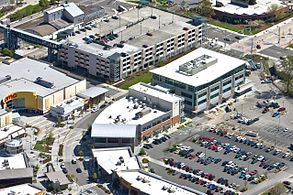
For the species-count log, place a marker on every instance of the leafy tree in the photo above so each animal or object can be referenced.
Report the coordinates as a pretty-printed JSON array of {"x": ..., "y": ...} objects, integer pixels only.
[
  {"x": 44, "y": 3},
  {"x": 142, "y": 152},
  {"x": 274, "y": 13},
  {"x": 287, "y": 72},
  {"x": 7, "y": 52},
  {"x": 277, "y": 189},
  {"x": 95, "y": 177},
  {"x": 205, "y": 9}
]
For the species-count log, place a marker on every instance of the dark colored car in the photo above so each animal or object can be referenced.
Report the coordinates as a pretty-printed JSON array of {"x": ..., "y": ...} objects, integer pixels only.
[{"x": 78, "y": 170}]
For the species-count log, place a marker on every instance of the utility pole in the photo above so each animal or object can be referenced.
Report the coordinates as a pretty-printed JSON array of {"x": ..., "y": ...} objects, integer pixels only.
[
  {"x": 159, "y": 21},
  {"x": 279, "y": 34}
]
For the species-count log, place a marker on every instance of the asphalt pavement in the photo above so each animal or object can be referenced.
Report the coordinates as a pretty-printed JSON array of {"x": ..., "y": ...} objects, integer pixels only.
[{"x": 276, "y": 52}]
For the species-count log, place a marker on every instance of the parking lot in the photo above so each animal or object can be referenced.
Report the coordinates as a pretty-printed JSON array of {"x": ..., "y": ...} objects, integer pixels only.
[
  {"x": 276, "y": 52},
  {"x": 261, "y": 162},
  {"x": 222, "y": 35}
]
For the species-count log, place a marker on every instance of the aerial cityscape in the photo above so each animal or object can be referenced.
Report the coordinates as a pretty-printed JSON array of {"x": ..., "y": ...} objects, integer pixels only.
[{"x": 146, "y": 97}]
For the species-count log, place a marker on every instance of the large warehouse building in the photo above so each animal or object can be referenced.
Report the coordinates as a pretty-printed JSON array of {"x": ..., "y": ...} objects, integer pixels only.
[
  {"x": 129, "y": 42},
  {"x": 33, "y": 86},
  {"x": 203, "y": 77},
  {"x": 146, "y": 110}
]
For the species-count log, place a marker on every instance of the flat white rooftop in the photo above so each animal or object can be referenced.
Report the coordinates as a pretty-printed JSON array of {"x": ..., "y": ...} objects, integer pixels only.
[
  {"x": 9, "y": 130},
  {"x": 21, "y": 189},
  {"x": 110, "y": 159},
  {"x": 223, "y": 65},
  {"x": 153, "y": 184},
  {"x": 123, "y": 111},
  {"x": 14, "y": 162},
  {"x": 155, "y": 91},
  {"x": 25, "y": 71},
  {"x": 259, "y": 8}
]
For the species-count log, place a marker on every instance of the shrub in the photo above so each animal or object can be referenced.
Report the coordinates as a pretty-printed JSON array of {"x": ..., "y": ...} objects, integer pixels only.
[
  {"x": 7, "y": 52},
  {"x": 145, "y": 161},
  {"x": 142, "y": 152}
]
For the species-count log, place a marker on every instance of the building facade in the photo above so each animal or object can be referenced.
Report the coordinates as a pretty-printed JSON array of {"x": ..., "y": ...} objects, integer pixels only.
[
  {"x": 203, "y": 77},
  {"x": 5, "y": 118}
]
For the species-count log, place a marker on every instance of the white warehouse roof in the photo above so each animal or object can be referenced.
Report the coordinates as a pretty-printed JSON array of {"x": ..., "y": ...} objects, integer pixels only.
[
  {"x": 113, "y": 130},
  {"x": 108, "y": 159},
  {"x": 223, "y": 65},
  {"x": 73, "y": 9}
]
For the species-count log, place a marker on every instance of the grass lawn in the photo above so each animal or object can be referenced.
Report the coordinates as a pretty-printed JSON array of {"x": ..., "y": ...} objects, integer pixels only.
[
  {"x": 291, "y": 46},
  {"x": 144, "y": 77},
  {"x": 41, "y": 146},
  {"x": 235, "y": 28}
]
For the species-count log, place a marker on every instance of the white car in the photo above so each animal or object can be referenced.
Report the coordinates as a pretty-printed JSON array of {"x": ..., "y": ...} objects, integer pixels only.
[
  {"x": 260, "y": 158},
  {"x": 94, "y": 110}
]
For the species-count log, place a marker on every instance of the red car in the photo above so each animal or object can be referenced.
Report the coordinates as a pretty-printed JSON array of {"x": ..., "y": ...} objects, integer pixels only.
[
  {"x": 253, "y": 172},
  {"x": 214, "y": 147},
  {"x": 282, "y": 109},
  {"x": 265, "y": 110}
]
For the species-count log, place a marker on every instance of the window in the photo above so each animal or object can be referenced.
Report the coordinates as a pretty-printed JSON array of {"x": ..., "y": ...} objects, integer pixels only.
[
  {"x": 186, "y": 95},
  {"x": 126, "y": 140},
  {"x": 202, "y": 101},
  {"x": 228, "y": 89},
  {"x": 188, "y": 102},
  {"x": 215, "y": 88},
  {"x": 215, "y": 95},
  {"x": 201, "y": 95},
  {"x": 227, "y": 82},
  {"x": 100, "y": 140},
  {"x": 112, "y": 140}
]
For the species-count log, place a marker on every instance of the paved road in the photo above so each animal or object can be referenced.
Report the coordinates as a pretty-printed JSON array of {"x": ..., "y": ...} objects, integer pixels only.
[
  {"x": 268, "y": 38},
  {"x": 277, "y": 52}
]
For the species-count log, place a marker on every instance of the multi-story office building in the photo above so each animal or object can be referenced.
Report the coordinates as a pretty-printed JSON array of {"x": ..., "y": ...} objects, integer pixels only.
[
  {"x": 203, "y": 77},
  {"x": 130, "y": 42}
]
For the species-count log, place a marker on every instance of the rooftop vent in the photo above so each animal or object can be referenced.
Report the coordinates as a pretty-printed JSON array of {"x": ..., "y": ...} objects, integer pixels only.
[
  {"x": 44, "y": 83},
  {"x": 4, "y": 79},
  {"x": 196, "y": 65}
]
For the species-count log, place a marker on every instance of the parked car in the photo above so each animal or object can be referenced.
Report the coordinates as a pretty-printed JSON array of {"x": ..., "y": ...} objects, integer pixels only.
[{"x": 78, "y": 170}]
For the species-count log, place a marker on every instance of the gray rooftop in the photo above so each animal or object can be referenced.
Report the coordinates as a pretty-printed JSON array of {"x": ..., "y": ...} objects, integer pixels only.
[
  {"x": 133, "y": 30},
  {"x": 73, "y": 9},
  {"x": 58, "y": 176},
  {"x": 25, "y": 71},
  {"x": 16, "y": 173},
  {"x": 93, "y": 92}
]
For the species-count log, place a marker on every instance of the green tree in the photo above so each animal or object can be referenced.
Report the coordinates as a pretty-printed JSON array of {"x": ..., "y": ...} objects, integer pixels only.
[
  {"x": 53, "y": 2},
  {"x": 44, "y": 3},
  {"x": 95, "y": 177},
  {"x": 273, "y": 11},
  {"x": 287, "y": 72},
  {"x": 205, "y": 9},
  {"x": 142, "y": 152},
  {"x": 7, "y": 52},
  {"x": 277, "y": 189}
]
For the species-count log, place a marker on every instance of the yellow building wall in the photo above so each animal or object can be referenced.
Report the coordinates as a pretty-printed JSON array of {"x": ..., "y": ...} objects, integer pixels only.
[
  {"x": 29, "y": 97},
  {"x": 74, "y": 89},
  {"x": 5, "y": 119}
]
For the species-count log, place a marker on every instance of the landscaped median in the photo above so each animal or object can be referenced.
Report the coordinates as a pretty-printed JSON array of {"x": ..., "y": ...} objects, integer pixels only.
[
  {"x": 143, "y": 76},
  {"x": 236, "y": 28}
]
